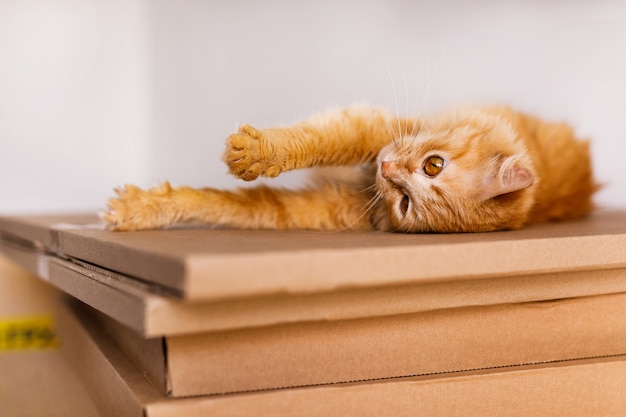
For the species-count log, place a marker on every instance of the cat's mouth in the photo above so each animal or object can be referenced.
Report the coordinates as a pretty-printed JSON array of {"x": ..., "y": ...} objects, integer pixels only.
[{"x": 404, "y": 204}]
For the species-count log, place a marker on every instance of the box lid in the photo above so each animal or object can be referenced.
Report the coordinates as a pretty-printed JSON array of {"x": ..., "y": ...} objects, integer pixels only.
[{"x": 204, "y": 264}]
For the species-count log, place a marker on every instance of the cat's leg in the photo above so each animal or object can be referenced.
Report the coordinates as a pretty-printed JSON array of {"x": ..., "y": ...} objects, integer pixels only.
[
  {"x": 344, "y": 137},
  {"x": 329, "y": 207}
]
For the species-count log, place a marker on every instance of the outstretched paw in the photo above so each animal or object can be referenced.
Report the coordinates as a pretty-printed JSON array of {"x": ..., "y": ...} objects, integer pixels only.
[
  {"x": 137, "y": 209},
  {"x": 249, "y": 154}
]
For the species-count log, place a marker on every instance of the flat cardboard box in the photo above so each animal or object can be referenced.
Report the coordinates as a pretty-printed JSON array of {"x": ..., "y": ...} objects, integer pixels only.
[
  {"x": 211, "y": 265},
  {"x": 35, "y": 381},
  {"x": 311, "y": 276},
  {"x": 427, "y": 343},
  {"x": 591, "y": 387},
  {"x": 154, "y": 315}
]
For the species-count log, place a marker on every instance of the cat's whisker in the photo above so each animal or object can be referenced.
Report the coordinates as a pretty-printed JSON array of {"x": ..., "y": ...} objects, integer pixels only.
[
  {"x": 395, "y": 138},
  {"x": 390, "y": 132},
  {"x": 395, "y": 100},
  {"x": 413, "y": 140},
  {"x": 402, "y": 129},
  {"x": 431, "y": 79},
  {"x": 371, "y": 205},
  {"x": 417, "y": 127},
  {"x": 406, "y": 100},
  {"x": 369, "y": 188}
]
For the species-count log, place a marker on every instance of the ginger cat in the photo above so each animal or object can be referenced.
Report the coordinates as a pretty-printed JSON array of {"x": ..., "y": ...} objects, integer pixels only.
[{"x": 465, "y": 170}]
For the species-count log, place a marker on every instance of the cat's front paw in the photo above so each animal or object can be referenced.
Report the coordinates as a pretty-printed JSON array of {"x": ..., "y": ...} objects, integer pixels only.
[
  {"x": 249, "y": 154},
  {"x": 137, "y": 209}
]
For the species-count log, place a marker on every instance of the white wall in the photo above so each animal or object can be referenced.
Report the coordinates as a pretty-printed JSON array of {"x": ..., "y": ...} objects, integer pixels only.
[
  {"x": 74, "y": 94},
  {"x": 95, "y": 94}
]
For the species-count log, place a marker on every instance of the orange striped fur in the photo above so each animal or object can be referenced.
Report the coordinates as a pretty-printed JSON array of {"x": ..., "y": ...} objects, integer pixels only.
[{"x": 494, "y": 169}]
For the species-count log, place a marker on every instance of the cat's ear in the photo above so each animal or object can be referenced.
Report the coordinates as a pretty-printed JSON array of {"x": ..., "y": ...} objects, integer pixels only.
[{"x": 508, "y": 175}]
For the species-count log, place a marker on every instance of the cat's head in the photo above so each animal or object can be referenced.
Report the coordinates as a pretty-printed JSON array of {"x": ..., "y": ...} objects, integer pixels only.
[{"x": 462, "y": 172}]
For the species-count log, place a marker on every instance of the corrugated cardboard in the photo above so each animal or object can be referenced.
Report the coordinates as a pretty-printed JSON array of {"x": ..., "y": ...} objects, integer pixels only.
[
  {"x": 576, "y": 248},
  {"x": 199, "y": 264},
  {"x": 35, "y": 382},
  {"x": 442, "y": 341},
  {"x": 593, "y": 387}
]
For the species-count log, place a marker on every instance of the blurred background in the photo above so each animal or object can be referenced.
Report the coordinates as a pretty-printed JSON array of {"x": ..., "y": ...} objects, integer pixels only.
[{"x": 95, "y": 94}]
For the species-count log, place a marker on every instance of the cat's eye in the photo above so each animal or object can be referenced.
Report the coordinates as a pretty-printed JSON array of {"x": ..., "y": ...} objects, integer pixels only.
[{"x": 433, "y": 166}]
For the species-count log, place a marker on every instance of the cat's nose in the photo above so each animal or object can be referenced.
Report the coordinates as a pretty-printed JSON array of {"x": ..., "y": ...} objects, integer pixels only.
[{"x": 387, "y": 168}]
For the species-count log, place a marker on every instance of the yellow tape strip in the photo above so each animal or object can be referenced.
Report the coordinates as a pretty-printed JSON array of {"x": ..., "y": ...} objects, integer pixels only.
[{"x": 27, "y": 333}]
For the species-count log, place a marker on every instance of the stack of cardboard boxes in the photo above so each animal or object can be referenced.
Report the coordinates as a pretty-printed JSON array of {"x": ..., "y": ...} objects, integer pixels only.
[{"x": 266, "y": 323}]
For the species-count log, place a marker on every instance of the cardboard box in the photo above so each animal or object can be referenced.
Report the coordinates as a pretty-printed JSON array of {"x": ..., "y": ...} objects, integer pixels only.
[
  {"x": 427, "y": 343},
  {"x": 153, "y": 315},
  {"x": 592, "y": 387},
  {"x": 235, "y": 279},
  {"x": 35, "y": 380},
  {"x": 211, "y": 265},
  {"x": 22, "y": 294}
]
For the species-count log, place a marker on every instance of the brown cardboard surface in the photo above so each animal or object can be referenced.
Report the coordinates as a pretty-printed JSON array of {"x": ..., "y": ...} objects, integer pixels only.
[
  {"x": 41, "y": 384},
  {"x": 21, "y": 293},
  {"x": 115, "y": 392},
  {"x": 35, "y": 382},
  {"x": 148, "y": 354},
  {"x": 435, "y": 342},
  {"x": 142, "y": 306},
  {"x": 201, "y": 264},
  {"x": 593, "y": 387},
  {"x": 152, "y": 315}
]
